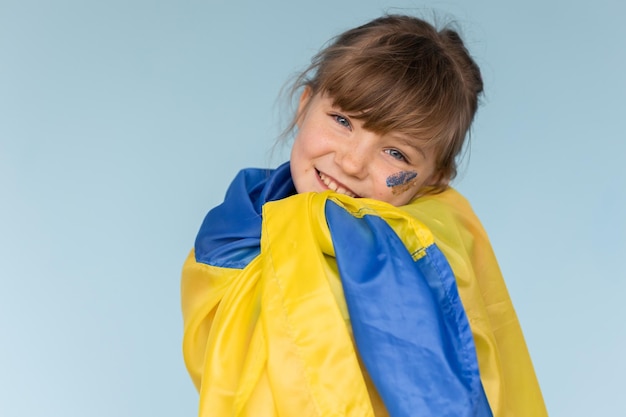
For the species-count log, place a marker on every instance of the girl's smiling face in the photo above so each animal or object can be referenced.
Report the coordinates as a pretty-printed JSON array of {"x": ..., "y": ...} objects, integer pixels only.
[{"x": 332, "y": 151}]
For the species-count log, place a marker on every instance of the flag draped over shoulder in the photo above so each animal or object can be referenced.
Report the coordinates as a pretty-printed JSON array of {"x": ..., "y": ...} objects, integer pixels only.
[{"x": 319, "y": 304}]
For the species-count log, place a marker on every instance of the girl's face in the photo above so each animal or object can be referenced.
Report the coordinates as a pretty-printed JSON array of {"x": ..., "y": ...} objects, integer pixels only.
[{"x": 332, "y": 151}]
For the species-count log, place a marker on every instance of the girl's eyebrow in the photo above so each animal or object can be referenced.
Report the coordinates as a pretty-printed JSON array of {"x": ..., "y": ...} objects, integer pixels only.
[
  {"x": 337, "y": 108},
  {"x": 409, "y": 142},
  {"x": 345, "y": 113}
]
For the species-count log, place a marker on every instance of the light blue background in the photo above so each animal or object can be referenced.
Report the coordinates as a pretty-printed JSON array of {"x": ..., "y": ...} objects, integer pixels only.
[{"x": 122, "y": 122}]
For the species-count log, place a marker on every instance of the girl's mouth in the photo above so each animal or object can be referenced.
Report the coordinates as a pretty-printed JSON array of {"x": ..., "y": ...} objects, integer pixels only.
[{"x": 334, "y": 185}]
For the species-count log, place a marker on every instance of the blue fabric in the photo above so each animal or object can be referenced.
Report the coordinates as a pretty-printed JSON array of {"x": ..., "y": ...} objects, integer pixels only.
[
  {"x": 409, "y": 324},
  {"x": 230, "y": 233},
  {"x": 408, "y": 321}
]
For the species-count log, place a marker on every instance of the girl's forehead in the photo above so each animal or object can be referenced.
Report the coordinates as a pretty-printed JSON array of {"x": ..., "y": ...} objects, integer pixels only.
[{"x": 407, "y": 134}]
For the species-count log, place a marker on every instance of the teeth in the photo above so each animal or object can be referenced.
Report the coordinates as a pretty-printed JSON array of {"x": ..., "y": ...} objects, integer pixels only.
[{"x": 332, "y": 185}]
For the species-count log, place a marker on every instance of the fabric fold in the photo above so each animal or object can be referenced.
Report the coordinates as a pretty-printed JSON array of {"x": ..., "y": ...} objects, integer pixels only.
[
  {"x": 292, "y": 304},
  {"x": 407, "y": 318}
]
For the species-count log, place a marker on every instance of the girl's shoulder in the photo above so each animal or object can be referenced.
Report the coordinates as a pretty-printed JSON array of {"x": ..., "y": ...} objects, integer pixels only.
[
  {"x": 447, "y": 209},
  {"x": 457, "y": 231}
]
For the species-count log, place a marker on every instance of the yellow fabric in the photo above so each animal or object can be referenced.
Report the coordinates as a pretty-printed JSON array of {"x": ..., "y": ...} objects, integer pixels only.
[
  {"x": 505, "y": 367},
  {"x": 251, "y": 337},
  {"x": 253, "y": 361}
]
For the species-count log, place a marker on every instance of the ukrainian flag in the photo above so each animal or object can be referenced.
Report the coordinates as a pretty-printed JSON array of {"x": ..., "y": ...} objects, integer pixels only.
[{"x": 325, "y": 305}]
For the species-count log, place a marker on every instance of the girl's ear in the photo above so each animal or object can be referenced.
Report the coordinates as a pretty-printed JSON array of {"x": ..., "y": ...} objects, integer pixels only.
[{"x": 305, "y": 98}]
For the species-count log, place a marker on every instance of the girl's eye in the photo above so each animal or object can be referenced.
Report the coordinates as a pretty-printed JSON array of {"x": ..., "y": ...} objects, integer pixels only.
[
  {"x": 396, "y": 154},
  {"x": 342, "y": 121}
]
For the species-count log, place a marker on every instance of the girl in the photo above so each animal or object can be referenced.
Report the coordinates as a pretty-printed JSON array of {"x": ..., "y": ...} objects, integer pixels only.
[{"x": 353, "y": 280}]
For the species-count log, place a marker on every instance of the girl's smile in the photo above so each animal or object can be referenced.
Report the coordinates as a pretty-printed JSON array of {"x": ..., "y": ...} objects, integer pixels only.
[{"x": 334, "y": 185}]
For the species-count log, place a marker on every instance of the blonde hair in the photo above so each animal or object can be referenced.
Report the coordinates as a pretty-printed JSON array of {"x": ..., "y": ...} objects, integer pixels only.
[{"x": 399, "y": 73}]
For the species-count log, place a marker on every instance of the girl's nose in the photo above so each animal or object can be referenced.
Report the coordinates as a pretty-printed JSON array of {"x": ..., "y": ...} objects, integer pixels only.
[{"x": 353, "y": 158}]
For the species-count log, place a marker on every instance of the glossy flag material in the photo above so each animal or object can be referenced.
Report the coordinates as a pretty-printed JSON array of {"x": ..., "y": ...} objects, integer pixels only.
[{"x": 319, "y": 304}]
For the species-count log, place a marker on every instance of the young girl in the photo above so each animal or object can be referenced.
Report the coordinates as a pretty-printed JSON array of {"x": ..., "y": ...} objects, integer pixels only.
[{"x": 353, "y": 280}]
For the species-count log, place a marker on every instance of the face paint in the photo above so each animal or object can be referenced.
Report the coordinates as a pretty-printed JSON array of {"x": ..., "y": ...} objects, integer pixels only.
[{"x": 401, "y": 181}]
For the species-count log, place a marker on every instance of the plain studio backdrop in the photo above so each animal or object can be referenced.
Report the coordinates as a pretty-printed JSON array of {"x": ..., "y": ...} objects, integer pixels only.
[{"x": 122, "y": 123}]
